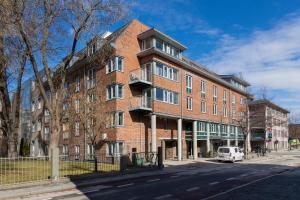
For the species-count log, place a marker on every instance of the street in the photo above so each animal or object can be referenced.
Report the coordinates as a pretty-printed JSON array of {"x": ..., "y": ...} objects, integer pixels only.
[{"x": 259, "y": 179}]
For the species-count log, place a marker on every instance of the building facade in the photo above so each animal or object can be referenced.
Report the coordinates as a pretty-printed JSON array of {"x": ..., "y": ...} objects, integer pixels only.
[
  {"x": 268, "y": 125},
  {"x": 148, "y": 95}
]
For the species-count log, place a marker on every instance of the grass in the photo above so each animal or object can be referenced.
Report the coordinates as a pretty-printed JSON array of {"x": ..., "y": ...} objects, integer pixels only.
[{"x": 28, "y": 170}]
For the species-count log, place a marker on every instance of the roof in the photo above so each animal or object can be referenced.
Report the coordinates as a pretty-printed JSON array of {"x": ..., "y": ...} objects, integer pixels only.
[
  {"x": 269, "y": 103},
  {"x": 239, "y": 80},
  {"x": 155, "y": 32}
]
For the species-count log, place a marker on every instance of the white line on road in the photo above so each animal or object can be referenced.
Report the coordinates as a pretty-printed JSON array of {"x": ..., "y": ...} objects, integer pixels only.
[
  {"x": 192, "y": 189},
  {"x": 214, "y": 183},
  {"x": 153, "y": 180},
  {"x": 90, "y": 191},
  {"x": 125, "y": 185},
  {"x": 163, "y": 196},
  {"x": 230, "y": 179},
  {"x": 175, "y": 176},
  {"x": 238, "y": 187}
]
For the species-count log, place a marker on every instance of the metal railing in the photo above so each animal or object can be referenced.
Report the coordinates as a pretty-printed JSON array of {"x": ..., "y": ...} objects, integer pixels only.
[
  {"x": 140, "y": 75},
  {"x": 140, "y": 103},
  {"x": 24, "y": 169},
  {"x": 73, "y": 165}
]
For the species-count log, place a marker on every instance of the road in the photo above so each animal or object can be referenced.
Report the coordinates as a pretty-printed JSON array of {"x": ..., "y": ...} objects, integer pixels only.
[{"x": 267, "y": 179}]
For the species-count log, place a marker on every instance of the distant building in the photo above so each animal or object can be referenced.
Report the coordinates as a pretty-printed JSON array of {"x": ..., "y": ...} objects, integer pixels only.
[{"x": 268, "y": 125}]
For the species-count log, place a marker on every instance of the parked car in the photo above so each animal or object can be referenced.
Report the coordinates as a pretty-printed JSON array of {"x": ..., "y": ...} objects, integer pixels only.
[{"x": 230, "y": 154}]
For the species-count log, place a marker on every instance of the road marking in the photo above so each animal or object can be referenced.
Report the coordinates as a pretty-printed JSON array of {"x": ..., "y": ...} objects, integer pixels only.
[
  {"x": 175, "y": 176},
  {"x": 90, "y": 191},
  {"x": 125, "y": 185},
  {"x": 192, "y": 189},
  {"x": 230, "y": 179},
  {"x": 163, "y": 196},
  {"x": 238, "y": 187},
  {"x": 153, "y": 180},
  {"x": 133, "y": 198},
  {"x": 243, "y": 175},
  {"x": 214, "y": 183}
]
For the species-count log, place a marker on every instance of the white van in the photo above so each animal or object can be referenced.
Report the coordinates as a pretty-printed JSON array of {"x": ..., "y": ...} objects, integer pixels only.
[{"x": 230, "y": 154}]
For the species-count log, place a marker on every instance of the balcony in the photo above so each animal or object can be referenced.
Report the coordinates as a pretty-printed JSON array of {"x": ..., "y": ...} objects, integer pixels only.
[
  {"x": 140, "y": 77},
  {"x": 141, "y": 103}
]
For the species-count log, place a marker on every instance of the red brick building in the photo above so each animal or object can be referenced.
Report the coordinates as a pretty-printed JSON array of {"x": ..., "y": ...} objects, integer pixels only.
[{"x": 151, "y": 96}]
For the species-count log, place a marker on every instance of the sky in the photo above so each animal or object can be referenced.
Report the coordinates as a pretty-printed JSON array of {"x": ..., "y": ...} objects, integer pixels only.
[{"x": 259, "y": 39}]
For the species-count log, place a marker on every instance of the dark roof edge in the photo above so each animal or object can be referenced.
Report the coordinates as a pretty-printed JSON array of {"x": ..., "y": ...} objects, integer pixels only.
[{"x": 268, "y": 102}]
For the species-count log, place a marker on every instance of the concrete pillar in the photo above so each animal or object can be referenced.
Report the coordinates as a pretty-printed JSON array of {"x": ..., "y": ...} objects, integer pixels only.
[
  {"x": 153, "y": 133},
  {"x": 208, "y": 137},
  {"x": 179, "y": 139},
  {"x": 236, "y": 136},
  {"x": 195, "y": 148},
  {"x": 228, "y": 135}
]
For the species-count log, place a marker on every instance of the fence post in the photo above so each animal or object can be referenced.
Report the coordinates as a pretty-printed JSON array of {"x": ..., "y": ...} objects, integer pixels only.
[
  {"x": 160, "y": 158},
  {"x": 54, "y": 163},
  {"x": 133, "y": 157},
  {"x": 96, "y": 164}
]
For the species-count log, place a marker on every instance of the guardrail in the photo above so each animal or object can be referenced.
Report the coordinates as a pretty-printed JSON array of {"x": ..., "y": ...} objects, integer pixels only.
[
  {"x": 140, "y": 103},
  {"x": 140, "y": 75}
]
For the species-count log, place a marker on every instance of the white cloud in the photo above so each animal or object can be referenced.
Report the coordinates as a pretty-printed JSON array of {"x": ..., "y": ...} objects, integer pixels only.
[{"x": 268, "y": 58}]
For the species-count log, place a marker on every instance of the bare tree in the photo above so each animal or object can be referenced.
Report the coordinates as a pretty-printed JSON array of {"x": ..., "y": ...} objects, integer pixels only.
[
  {"x": 13, "y": 59},
  {"x": 50, "y": 18}
]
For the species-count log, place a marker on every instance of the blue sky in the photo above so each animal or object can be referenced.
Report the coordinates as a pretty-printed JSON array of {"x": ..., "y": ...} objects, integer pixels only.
[{"x": 260, "y": 39}]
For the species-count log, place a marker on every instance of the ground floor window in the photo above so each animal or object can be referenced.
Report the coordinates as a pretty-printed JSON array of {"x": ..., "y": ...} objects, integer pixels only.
[
  {"x": 90, "y": 151},
  {"x": 114, "y": 148},
  {"x": 77, "y": 151},
  {"x": 65, "y": 150}
]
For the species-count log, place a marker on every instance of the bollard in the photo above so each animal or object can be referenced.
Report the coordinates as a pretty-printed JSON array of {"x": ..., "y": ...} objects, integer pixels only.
[{"x": 160, "y": 158}]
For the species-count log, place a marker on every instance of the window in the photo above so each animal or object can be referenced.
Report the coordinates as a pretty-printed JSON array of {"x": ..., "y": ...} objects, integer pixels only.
[
  {"x": 203, "y": 89},
  {"x": 224, "y": 110},
  {"x": 114, "y": 148},
  {"x": 65, "y": 150},
  {"x": 117, "y": 119},
  {"x": 91, "y": 126},
  {"x": 77, "y": 128},
  {"x": 91, "y": 78},
  {"x": 39, "y": 125},
  {"x": 201, "y": 127},
  {"x": 77, "y": 152},
  {"x": 215, "y": 92},
  {"x": 91, "y": 98},
  {"x": 166, "y": 96},
  {"x": 224, "y": 97},
  {"x": 189, "y": 104},
  {"x": 215, "y": 109},
  {"x": 77, "y": 84},
  {"x": 65, "y": 126},
  {"x": 115, "y": 64},
  {"x": 120, "y": 118},
  {"x": 147, "y": 43},
  {"x": 188, "y": 80},
  {"x": 213, "y": 128},
  {"x": 65, "y": 106},
  {"x": 46, "y": 113},
  {"x": 203, "y": 106},
  {"x": 166, "y": 71},
  {"x": 159, "y": 44},
  {"x": 115, "y": 91},
  {"x": 90, "y": 151},
  {"x": 242, "y": 101},
  {"x": 77, "y": 106}
]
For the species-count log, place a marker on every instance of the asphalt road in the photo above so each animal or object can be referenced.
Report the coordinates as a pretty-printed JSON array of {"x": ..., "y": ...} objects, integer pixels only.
[{"x": 238, "y": 181}]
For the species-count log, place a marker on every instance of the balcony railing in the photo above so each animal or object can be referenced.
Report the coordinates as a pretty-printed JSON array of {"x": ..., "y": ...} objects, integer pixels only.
[
  {"x": 140, "y": 76},
  {"x": 140, "y": 103}
]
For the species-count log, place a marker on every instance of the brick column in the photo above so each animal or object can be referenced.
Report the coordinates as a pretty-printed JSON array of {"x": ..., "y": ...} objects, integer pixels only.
[{"x": 195, "y": 152}]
